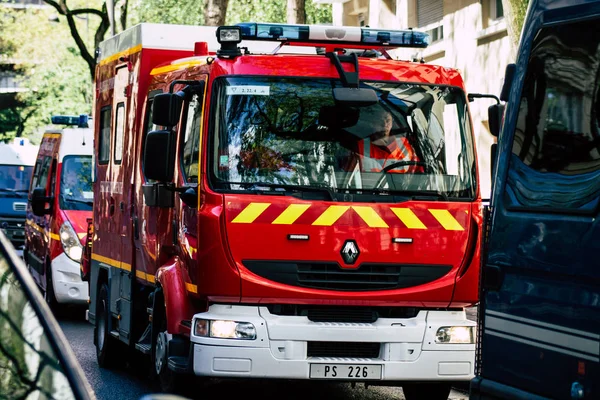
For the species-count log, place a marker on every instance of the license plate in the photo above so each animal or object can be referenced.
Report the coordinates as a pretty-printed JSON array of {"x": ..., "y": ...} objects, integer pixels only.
[{"x": 345, "y": 371}]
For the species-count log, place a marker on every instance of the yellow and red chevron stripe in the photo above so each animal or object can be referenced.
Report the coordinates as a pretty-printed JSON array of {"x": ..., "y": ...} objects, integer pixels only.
[{"x": 451, "y": 219}]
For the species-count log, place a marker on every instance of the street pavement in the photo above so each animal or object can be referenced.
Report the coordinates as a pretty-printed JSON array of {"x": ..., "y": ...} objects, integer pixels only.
[{"x": 126, "y": 382}]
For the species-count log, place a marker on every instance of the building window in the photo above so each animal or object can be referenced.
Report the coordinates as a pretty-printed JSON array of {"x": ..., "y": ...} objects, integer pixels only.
[
  {"x": 496, "y": 10},
  {"x": 436, "y": 33},
  {"x": 429, "y": 12}
]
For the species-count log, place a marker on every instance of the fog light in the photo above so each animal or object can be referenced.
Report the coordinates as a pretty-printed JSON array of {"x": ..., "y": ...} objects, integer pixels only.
[
  {"x": 455, "y": 335},
  {"x": 224, "y": 329}
]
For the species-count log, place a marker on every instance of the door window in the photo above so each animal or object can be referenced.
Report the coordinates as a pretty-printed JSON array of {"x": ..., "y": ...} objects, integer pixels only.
[
  {"x": 104, "y": 145},
  {"x": 119, "y": 129},
  {"x": 555, "y": 161},
  {"x": 191, "y": 140}
]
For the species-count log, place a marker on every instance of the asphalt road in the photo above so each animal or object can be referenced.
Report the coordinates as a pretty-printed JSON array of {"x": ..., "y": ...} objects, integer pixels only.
[{"x": 126, "y": 382}]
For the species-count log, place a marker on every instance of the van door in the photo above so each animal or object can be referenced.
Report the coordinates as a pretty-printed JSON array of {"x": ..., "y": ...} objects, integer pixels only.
[
  {"x": 541, "y": 291},
  {"x": 122, "y": 176}
]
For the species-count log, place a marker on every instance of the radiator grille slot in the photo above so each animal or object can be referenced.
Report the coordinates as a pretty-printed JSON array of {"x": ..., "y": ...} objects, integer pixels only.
[
  {"x": 331, "y": 276},
  {"x": 20, "y": 206},
  {"x": 343, "y": 349}
]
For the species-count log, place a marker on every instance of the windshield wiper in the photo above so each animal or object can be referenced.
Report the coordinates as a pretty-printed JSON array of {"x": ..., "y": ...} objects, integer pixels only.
[
  {"x": 297, "y": 189},
  {"x": 88, "y": 202},
  {"x": 412, "y": 194}
]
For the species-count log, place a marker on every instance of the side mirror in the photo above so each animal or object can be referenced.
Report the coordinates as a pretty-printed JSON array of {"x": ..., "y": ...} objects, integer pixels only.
[
  {"x": 352, "y": 97},
  {"x": 509, "y": 76},
  {"x": 495, "y": 116},
  {"x": 38, "y": 202},
  {"x": 159, "y": 155},
  {"x": 190, "y": 197},
  {"x": 166, "y": 109}
]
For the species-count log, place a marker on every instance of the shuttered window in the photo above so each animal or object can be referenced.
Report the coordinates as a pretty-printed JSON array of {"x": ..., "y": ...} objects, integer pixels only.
[{"x": 429, "y": 11}]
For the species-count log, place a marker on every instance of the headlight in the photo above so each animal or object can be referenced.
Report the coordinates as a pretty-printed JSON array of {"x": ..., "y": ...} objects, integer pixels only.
[
  {"x": 455, "y": 335},
  {"x": 225, "y": 329},
  {"x": 70, "y": 242}
]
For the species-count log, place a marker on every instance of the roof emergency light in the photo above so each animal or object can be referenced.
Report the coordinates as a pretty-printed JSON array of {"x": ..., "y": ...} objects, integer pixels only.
[
  {"x": 81, "y": 121},
  {"x": 333, "y": 34}
]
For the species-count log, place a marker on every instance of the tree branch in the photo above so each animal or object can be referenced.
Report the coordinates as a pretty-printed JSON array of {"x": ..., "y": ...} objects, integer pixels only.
[{"x": 124, "y": 14}]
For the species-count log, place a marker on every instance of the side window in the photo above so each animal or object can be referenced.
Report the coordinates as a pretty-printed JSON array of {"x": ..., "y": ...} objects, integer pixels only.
[
  {"x": 44, "y": 173},
  {"x": 36, "y": 174},
  {"x": 555, "y": 161},
  {"x": 119, "y": 129},
  {"x": 191, "y": 140},
  {"x": 104, "y": 145},
  {"x": 148, "y": 125}
]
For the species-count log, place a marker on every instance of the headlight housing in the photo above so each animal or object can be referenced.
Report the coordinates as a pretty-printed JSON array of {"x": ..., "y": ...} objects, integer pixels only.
[
  {"x": 223, "y": 329},
  {"x": 70, "y": 242},
  {"x": 455, "y": 335}
]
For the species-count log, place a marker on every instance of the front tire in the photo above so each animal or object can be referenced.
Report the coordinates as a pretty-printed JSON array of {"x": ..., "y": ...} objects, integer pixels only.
[
  {"x": 49, "y": 295},
  {"x": 426, "y": 391},
  {"x": 106, "y": 345}
]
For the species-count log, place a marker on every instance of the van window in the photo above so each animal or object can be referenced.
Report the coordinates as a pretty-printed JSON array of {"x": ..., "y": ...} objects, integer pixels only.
[
  {"x": 104, "y": 145},
  {"x": 555, "y": 161},
  {"x": 119, "y": 128},
  {"x": 191, "y": 143},
  {"x": 40, "y": 179}
]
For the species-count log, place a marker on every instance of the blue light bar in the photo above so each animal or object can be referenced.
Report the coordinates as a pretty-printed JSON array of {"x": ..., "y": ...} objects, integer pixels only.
[
  {"x": 80, "y": 121},
  {"x": 334, "y": 34}
]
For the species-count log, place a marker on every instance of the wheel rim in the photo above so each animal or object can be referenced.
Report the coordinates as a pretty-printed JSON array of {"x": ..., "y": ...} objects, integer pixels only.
[
  {"x": 101, "y": 331},
  {"x": 160, "y": 352}
]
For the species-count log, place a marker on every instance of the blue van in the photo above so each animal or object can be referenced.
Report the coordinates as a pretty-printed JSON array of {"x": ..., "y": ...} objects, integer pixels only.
[{"x": 539, "y": 316}]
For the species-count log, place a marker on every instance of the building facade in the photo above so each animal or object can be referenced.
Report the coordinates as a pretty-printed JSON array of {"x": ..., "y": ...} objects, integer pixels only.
[{"x": 470, "y": 35}]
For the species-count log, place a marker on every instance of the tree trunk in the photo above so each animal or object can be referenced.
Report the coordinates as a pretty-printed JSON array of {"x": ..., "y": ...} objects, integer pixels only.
[
  {"x": 215, "y": 12},
  {"x": 296, "y": 12}
]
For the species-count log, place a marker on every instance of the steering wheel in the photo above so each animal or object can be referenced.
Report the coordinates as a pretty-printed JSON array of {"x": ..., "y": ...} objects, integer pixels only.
[{"x": 402, "y": 164}]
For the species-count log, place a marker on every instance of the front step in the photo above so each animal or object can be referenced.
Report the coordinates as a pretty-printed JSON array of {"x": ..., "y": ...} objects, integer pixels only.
[
  {"x": 114, "y": 334},
  {"x": 145, "y": 348},
  {"x": 179, "y": 364}
]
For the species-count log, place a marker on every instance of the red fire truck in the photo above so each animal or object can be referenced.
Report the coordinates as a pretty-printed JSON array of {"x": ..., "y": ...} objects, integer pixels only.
[{"x": 309, "y": 210}]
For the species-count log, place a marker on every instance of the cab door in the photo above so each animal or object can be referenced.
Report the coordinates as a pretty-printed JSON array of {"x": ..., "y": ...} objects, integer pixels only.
[
  {"x": 189, "y": 167},
  {"x": 541, "y": 287}
]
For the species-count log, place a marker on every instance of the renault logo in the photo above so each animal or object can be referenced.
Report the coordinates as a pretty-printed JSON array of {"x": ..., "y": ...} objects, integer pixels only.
[{"x": 350, "y": 252}]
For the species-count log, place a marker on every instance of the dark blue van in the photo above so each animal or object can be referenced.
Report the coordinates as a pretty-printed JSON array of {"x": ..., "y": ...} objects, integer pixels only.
[{"x": 539, "y": 316}]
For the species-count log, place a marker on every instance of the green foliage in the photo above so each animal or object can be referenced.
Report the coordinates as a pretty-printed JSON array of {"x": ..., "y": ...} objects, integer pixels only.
[
  {"x": 54, "y": 76},
  {"x": 274, "y": 11},
  {"x": 185, "y": 12}
]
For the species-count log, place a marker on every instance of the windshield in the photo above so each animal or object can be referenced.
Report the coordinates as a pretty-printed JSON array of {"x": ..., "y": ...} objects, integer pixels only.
[
  {"x": 288, "y": 134},
  {"x": 15, "y": 177},
  {"x": 76, "y": 191}
]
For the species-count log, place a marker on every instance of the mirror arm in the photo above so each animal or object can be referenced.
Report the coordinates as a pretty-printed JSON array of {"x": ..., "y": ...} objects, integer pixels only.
[
  {"x": 349, "y": 79},
  {"x": 472, "y": 96}
]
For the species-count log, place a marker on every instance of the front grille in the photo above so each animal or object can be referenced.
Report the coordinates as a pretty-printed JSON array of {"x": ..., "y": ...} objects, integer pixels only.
[
  {"x": 329, "y": 275},
  {"x": 8, "y": 223},
  {"x": 343, "y": 349}
]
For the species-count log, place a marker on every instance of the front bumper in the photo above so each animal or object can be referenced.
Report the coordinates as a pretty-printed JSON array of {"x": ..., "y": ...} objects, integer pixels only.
[
  {"x": 66, "y": 278},
  {"x": 407, "y": 352}
]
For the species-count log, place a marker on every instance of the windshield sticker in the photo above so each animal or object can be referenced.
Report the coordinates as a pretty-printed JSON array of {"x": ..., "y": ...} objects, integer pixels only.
[
  {"x": 248, "y": 90},
  {"x": 223, "y": 161}
]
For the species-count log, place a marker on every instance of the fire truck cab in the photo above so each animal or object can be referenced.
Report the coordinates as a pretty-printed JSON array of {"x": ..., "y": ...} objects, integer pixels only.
[{"x": 273, "y": 215}]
